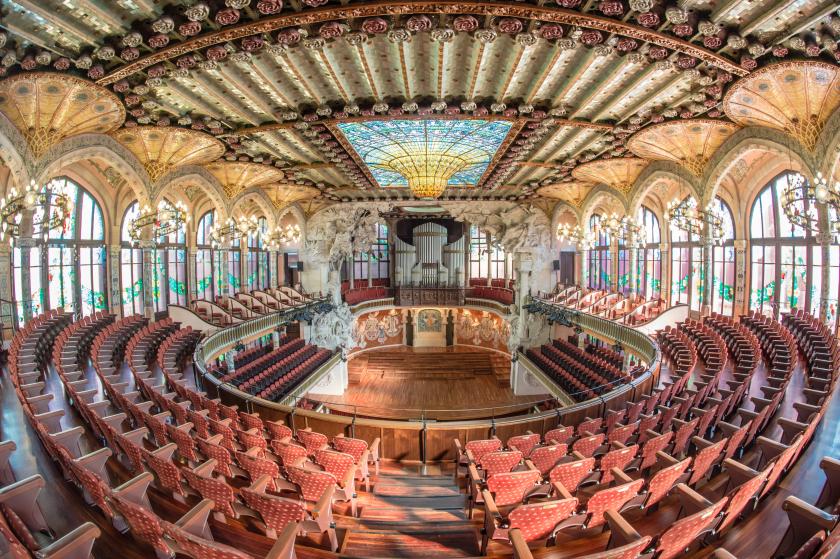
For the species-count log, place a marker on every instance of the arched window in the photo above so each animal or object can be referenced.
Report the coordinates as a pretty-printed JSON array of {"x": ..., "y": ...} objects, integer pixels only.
[
  {"x": 257, "y": 261},
  {"x": 204, "y": 258},
  {"x": 686, "y": 267},
  {"x": 131, "y": 266},
  {"x": 785, "y": 259},
  {"x": 599, "y": 256},
  {"x": 487, "y": 259},
  {"x": 234, "y": 268},
  {"x": 723, "y": 264},
  {"x": 833, "y": 277},
  {"x": 67, "y": 269},
  {"x": 648, "y": 258}
]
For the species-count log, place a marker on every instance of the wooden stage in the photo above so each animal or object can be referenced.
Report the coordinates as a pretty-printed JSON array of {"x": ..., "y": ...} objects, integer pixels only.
[{"x": 399, "y": 383}]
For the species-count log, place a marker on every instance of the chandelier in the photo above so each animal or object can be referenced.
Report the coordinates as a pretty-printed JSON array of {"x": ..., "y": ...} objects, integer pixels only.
[
  {"x": 800, "y": 201},
  {"x": 625, "y": 229},
  {"x": 706, "y": 223},
  {"x": 160, "y": 222},
  {"x": 576, "y": 235},
  {"x": 290, "y": 234},
  {"x": 233, "y": 231},
  {"x": 29, "y": 201}
]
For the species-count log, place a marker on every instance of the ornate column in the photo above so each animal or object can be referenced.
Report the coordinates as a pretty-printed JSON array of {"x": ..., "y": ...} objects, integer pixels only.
[
  {"x": 665, "y": 268},
  {"x": 740, "y": 303},
  {"x": 148, "y": 248},
  {"x": 369, "y": 278},
  {"x": 614, "y": 251},
  {"x": 243, "y": 265},
  {"x": 273, "y": 269},
  {"x": 192, "y": 274},
  {"x": 526, "y": 264},
  {"x": 584, "y": 266},
  {"x": 467, "y": 264},
  {"x": 351, "y": 271},
  {"x": 489, "y": 261},
  {"x": 221, "y": 271},
  {"x": 115, "y": 293},
  {"x": 25, "y": 244},
  {"x": 633, "y": 258},
  {"x": 708, "y": 276},
  {"x": 824, "y": 238}
]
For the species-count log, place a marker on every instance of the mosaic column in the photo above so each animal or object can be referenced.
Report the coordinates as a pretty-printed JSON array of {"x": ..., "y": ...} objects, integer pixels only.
[
  {"x": 115, "y": 295},
  {"x": 633, "y": 256},
  {"x": 489, "y": 261},
  {"x": 740, "y": 304},
  {"x": 613, "y": 265},
  {"x": 148, "y": 248},
  {"x": 523, "y": 287},
  {"x": 7, "y": 309},
  {"x": 274, "y": 269},
  {"x": 665, "y": 268},
  {"x": 221, "y": 272},
  {"x": 25, "y": 244},
  {"x": 467, "y": 265},
  {"x": 708, "y": 277},
  {"x": 351, "y": 271},
  {"x": 824, "y": 238},
  {"x": 584, "y": 267},
  {"x": 245, "y": 285},
  {"x": 192, "y": 275},
  {"x": 369, "y": 278}
]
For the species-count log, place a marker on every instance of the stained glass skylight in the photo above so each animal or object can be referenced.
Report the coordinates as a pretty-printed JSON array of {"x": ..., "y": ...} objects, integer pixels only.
[{"x": 401, "y": 153}]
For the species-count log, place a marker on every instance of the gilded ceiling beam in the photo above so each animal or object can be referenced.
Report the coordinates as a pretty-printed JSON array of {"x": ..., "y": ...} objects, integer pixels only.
[{"x": 392, "y": 7}]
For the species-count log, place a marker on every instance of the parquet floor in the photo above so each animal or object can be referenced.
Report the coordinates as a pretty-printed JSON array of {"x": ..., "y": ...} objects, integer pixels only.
[{"x": 407, "y": 383}]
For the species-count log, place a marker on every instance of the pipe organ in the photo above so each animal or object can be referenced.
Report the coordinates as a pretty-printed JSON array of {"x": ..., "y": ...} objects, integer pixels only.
[{"x": 429, "y": 260}]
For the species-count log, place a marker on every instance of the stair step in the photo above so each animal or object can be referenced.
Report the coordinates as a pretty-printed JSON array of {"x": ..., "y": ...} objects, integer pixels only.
[
  {"x": 388, "y": 544},
  {"x": 401, "y": 514},
  {"x": 418, "y": 490}
]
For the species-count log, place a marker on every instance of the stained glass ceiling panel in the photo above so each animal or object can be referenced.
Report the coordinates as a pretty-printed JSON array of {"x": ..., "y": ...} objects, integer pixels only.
[{"x": 395, "y": 150}]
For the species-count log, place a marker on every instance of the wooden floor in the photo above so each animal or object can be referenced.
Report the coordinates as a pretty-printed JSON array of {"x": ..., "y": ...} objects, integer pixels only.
[{"x": 407, "y": 383}]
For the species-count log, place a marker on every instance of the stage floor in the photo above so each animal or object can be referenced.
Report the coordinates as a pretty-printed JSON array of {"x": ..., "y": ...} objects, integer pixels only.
[{"x": 437, "y": 383}]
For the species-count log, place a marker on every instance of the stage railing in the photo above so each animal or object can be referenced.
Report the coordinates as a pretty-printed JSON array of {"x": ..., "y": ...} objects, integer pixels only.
[{"x": 425, "y": 439}]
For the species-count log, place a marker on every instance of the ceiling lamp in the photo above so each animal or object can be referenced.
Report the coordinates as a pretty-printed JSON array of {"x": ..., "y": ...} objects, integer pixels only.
[
  {"x": 619, "y": 172},
  {"x": 288, "y": 235},
  {"x": 800, "y": 200},
  {"x": 236, "y": 176},
  {"x": 794, "y": 97},
  {"x": 34, "y": 203},
  {"x": 48, "y": 107},
  {"x": 688, "y": 143},
  {"x": 582, "y": 239},
  {"x": 231, "y": 232},
  {"x": 625, "y": 229},
  {"x": 685, "y": 216},
  {"x": 161, "y": 149},
  {"x": 157, "y": 224}
]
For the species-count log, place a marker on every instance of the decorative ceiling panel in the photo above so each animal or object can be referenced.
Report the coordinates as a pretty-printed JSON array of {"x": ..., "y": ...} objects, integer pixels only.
[
  {"x": 161, "y": 149},
  {"x": 689, "y": 143}
]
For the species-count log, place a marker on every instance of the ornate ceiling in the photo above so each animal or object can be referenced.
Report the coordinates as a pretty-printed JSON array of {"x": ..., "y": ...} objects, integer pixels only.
[{"x": 274, "y": 79}]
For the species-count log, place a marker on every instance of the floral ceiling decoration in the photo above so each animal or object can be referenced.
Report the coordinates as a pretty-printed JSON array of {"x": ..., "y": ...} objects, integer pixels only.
[
  {"x": 236, "y": 176},
  {"x": 689, "y": 143},
  {"x": 795, "y": 97},
  {"x": 47, "y": 108},
  {"x": 162, "y": 149},
  {"x": 573, "y": 192},
  {"x": 619, "y": 173},
  {"x": 284, "y": 195}
]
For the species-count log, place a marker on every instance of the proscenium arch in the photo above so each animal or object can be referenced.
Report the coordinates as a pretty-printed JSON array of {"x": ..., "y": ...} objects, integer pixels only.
[
  {"x": 750, "y": 139},
  {"x": 103, "y": 148}
]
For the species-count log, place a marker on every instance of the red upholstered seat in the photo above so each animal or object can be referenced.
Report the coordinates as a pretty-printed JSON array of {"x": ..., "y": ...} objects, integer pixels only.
[
  {"x": 524, "y": 443},
  {"x": 544, "y": 458},
  {"x": 510, "y": 488},
  {"x": 571, "y": 474},
  {"x": 499, "y": 462},
  {"x": 479, "y": 448}
]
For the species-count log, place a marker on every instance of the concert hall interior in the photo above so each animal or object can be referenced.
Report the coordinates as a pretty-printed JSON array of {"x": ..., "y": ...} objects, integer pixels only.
[{"x": 374, "y": 279}]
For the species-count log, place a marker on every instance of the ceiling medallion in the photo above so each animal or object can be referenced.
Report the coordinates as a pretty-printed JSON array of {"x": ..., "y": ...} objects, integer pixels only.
[
  {"x": 231, "y": 232},
  {"x": 48, "y": 107},
  {"x": 794, "y": 97},
  {"x": 30, "y": 202},
  {"x": 161, "y": 149},
  {"x": 154, "y": 225},
  {"x": 704, "y": 224},
  {"x": 688, "y": 143}
]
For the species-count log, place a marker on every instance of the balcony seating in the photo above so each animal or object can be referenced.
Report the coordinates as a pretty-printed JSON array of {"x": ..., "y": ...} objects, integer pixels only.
[{"x": 363, "y": 294}]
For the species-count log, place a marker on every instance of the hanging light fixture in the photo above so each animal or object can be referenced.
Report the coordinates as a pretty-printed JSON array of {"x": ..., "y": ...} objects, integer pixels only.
[
  {"x": 704, "y": 223},
  {"x": 625, "y": 229},
  {"x": 582, "y": 239},
  {"x": 32, "y": 202},
  {"x": 233, "y": 231},
  {"x": 801, "y": 200},
  {"x": 160, "y": 222},
  {"x": 290, "y": 234}
]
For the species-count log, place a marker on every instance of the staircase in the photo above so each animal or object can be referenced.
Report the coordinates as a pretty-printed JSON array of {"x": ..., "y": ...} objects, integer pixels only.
[{"x": 413, "y": 515}]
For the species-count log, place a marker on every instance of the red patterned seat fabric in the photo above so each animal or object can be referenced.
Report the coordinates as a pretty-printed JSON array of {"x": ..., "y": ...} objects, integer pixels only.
[
  {"x": 481, "y": 447},
  {"x": 353, "y": 447},
  {"x": 510, "y": 488},
  {"x": 571, "y": 474},
  {"x": 545, "y": 457},
  {"x": 144, "y": 525},
  {"x": 524, "y": 443},
  {"x": 685, "y": 530},
  {"x": 276, "y": 512},
  {"x": 500, "y": 462},
  {"x": 219, "y": 492},
  {"x": 536, "y": 521},
  {"x": 312, "y": 441},
  {"x": 610, "y": 499},
  {"x": 312, "y": 484}
]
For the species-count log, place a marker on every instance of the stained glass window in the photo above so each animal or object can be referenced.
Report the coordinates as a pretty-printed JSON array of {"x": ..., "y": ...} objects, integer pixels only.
[
  {"x": 786, "y": 260},
  {"x": 723, "y": 260},
  {"x": 600, "y": 262},
  {"x": 131, "y": 267},
  {"x": 397, "y": 151},
  {"x": 687, "y": 266},
  {"x": 169, "y": 273},
  {"x": 479, "y": 246},
  {"x": 257, "y": 261},
  {"x": 67, "y": 269}
]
